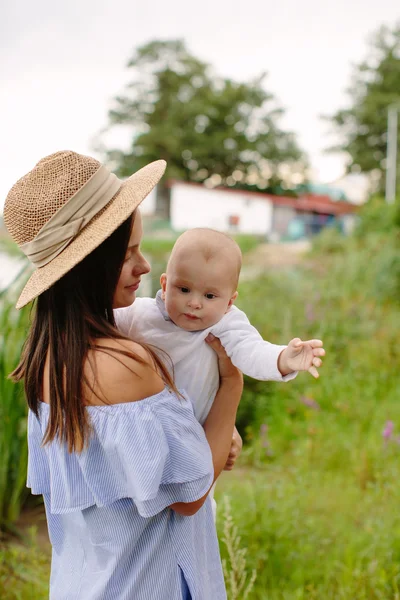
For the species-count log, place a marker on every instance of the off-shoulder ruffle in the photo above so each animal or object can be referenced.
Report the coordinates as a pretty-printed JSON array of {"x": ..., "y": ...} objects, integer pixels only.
[{"x": 153, "y": 451}]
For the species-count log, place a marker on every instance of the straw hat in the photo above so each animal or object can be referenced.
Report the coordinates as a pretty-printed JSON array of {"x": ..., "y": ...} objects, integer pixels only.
[{"x": 67, "y": 206}]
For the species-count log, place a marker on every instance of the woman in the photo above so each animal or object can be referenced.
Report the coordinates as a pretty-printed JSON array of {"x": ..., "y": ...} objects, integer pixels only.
[{"x": 123, "y": 465}]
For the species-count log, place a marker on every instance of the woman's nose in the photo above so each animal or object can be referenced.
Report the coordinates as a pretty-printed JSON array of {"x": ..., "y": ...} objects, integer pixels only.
[{"x": 142, "y": 267}]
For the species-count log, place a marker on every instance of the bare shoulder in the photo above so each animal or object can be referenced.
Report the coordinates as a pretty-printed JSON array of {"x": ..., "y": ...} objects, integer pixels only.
[{"x": 121, "y": 371}]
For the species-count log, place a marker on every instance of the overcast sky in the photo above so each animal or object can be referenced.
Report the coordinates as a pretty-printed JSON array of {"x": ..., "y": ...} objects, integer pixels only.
[{"x": 61, "y": 63}]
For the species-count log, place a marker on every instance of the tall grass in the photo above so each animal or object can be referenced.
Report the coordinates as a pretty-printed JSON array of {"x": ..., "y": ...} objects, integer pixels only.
[
  {"x": 13, "y": 411},
  {"x": 239, "y": 582},
  {"x": 317, "y": 492},
  {"x": 315, "y": 497},
  {"x": 24, "y": 570}
]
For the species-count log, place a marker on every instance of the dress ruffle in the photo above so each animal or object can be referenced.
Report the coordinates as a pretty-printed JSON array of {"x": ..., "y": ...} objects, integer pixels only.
[{"x": 153, "y": 451}]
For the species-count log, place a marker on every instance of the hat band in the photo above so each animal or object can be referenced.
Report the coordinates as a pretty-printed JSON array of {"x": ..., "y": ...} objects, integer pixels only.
[{"x": 67, "y": 222}]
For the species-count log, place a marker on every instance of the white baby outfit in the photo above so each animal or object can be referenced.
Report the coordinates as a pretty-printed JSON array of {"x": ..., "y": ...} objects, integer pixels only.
[{"x": 195, "y": 363}]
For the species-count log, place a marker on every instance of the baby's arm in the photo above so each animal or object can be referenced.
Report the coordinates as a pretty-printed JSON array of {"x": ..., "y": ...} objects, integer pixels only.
[{"x": 247, "y": 349}]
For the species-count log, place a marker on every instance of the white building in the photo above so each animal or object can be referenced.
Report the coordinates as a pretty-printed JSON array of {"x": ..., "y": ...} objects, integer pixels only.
[
  {"x": 237, "y": 211},
  {"x": 192, "y": 205},
  {"x": 148, "y": 206}
]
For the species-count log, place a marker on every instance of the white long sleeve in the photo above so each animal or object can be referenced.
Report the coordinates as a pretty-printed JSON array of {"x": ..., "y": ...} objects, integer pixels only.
[
  {"x": 246, "y": 348},
  {"x": 195, "y": 364}
]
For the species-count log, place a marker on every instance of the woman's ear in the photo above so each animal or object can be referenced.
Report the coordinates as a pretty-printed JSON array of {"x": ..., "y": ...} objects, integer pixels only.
[
  {"x": 163, "y": 282},
  {"x": 232, "y": 300}
]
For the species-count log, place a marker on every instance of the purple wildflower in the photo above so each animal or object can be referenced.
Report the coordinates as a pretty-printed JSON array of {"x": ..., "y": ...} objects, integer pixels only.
[
  {"x": 310, "y": 402},
  {"x": 388, "y": 431},
  {"x": 309, "y": 312},
  {"x": 264, "y": 438}
]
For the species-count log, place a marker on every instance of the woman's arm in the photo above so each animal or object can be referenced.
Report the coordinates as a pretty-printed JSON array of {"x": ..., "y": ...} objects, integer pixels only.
[
  {"x": 121, "y": 379},
  {"x": 220, "y": 422}
]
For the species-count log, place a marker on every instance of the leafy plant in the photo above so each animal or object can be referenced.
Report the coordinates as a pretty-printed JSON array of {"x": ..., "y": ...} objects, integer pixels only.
[
  {"x": 362, "y": 126},
  {"x": 13, "y": 414},
  {"x": 207, "y": 128},
  {"x": 238, "y": 583}
]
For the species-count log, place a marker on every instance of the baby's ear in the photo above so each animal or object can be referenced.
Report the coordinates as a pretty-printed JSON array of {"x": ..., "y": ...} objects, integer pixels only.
[
  {"x": 232, "y": 300},
  {"x": 163, "y": 282}
]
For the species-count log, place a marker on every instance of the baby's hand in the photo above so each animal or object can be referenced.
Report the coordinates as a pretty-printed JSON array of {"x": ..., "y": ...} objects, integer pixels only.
[{"x": 303, "y": 356}]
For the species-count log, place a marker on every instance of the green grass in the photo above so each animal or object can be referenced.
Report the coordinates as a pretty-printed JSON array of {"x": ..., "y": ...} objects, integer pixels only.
[
  {"x": 316, "y": 494},
  {"x": 316, "y": 497},
  {"x": 157, "y": 248},
  {"x": 24, "y": 570},
  {"x": 8, "y": 246},
  {"x": 247, "y": 242},
  {"x": 161, "y": 248},
  {"x": 312, "y": 533},
  {"x": 13, "y": 415}
]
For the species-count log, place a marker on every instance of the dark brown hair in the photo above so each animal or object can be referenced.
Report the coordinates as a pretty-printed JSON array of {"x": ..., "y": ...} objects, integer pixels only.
[{"x": 68, "y": 320}]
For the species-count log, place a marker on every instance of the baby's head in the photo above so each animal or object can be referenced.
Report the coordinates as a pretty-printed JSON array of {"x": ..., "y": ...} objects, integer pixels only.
[{"x": 202, "y": 275}]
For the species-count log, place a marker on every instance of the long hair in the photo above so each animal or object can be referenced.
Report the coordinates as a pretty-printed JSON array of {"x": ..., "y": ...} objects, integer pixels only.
[{"x": 69, "y": 318}]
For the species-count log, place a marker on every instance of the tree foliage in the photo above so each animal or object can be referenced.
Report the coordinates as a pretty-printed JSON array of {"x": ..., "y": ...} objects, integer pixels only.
[
  {"x": 207, "y": 128},
  {"x": 362, "y": 127}
]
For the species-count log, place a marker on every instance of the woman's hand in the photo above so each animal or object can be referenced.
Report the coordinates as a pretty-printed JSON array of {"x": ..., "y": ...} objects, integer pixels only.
[
  {"x": 227, "y": 371},
  {"x": 236, "y": 449}
]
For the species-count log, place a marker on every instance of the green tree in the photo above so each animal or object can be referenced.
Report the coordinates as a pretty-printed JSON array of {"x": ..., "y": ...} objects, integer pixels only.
[
  {"x": 362, "y": 128},
  {"x": 207, "y": 128}
]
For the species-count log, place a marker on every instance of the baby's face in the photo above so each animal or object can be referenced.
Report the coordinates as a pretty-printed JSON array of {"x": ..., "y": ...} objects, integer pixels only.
[{"x": 198, "y": 292}]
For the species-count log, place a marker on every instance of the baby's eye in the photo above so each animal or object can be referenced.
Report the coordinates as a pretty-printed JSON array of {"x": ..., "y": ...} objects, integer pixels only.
[
  {"x": 210, "y": 296},
  {"x": 184, "y": 290}
]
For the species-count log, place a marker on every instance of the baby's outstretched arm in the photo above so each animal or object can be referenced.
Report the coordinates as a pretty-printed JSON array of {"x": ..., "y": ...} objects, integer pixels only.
[
  {"x": 301, "y": 356},
  {"x": 260, "y": 359}
]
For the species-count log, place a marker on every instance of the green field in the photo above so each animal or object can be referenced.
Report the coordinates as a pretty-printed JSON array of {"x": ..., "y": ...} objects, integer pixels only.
[{"x": 315, "y": 497}]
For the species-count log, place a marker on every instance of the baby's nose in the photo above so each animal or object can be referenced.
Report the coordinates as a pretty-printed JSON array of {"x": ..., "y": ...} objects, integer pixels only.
[{"x": 194, "y": 302}]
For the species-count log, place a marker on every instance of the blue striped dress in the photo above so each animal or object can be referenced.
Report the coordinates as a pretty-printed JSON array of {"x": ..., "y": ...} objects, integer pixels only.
[{"x": 112, "y": 532}]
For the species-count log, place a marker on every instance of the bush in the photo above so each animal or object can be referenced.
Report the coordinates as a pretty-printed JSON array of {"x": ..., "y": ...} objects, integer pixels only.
[
  {"x": 329, "y": 241},
  {"x": 377, "y": 217},
  {"x": 316, "y": 489},
  {"x": 13, "y": 414},
  {"x": 247, "y": 242}
]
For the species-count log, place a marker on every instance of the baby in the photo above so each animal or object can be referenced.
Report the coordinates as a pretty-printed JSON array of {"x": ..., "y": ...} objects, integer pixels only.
[{"x": 197, "y": 297}]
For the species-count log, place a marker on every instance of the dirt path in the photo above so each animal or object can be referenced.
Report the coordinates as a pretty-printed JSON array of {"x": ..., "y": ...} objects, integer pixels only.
[{"x": 273, "y": 256}]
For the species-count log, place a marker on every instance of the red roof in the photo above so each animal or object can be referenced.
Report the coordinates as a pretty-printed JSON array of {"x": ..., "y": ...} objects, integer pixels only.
[
  {"x": 313, "y": 203},
  {"x": 305, "y": 203}
]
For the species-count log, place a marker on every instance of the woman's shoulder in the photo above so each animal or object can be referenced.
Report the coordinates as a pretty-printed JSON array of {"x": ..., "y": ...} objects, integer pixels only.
[
  {"x": 120, "y": 371},
  {"x": 125, "y": 345}
]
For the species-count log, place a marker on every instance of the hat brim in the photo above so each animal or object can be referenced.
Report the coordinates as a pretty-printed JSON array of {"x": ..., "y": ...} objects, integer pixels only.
[{"x": 131, "y": 193}]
